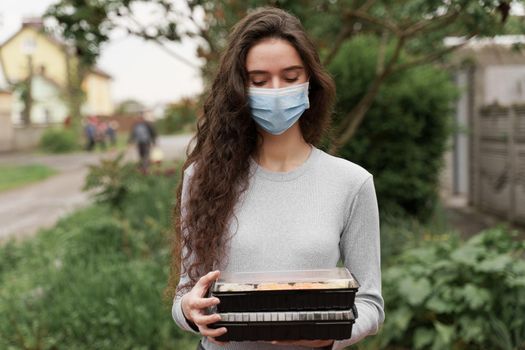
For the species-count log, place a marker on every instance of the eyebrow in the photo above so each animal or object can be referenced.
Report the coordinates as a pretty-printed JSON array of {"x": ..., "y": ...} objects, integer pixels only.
[{"x": 287, "y": 69}]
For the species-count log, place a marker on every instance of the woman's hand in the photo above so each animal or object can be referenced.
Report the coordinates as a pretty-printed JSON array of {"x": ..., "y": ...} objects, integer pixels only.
[
  {"x": 194, "y": 305},
  {"x": 307, "y": 343}
]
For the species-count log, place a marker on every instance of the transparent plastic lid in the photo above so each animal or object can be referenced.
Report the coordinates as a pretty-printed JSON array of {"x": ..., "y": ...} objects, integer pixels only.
[{"x": 336, "y": 278}]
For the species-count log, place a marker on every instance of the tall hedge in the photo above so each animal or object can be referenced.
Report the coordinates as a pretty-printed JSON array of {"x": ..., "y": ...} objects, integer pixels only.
[{"x": 404, "y": 134}]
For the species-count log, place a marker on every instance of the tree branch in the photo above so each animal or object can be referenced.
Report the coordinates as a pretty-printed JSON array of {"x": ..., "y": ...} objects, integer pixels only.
[
  {"x": 427, "y": 24},
  {"x": 431, "y": 57},
  {"x": 141, "y": 32},
  {"x": 366, "y": 6},
  {"x": 356, "y": 115},
  {"x": 203, "y": 32},
  {"x": 374, "y": 20},
  {"x": 344, "y": 34},
  {"x": 381, "y": 52}
]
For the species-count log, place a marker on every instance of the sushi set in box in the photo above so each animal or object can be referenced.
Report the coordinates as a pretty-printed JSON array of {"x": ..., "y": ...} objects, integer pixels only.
[{"x": 285, "y": 305}]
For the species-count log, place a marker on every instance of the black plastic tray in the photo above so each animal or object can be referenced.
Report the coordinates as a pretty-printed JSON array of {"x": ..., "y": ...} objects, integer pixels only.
[
  {"x": 285, "y": 300},
  {"x": 319, "y": 330},
  {"x": 287, "y": 325}
]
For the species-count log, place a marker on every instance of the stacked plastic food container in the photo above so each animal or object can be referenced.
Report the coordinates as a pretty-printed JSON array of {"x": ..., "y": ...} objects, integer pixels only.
[{"x": 286, "y": 305}]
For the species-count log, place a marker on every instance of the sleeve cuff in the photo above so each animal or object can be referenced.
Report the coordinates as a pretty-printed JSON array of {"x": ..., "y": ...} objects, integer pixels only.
[{"x": 180, "y": 319}]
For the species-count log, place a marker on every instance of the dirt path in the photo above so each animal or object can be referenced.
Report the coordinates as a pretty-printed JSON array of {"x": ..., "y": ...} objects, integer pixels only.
[{"x": 23, "y": 211}]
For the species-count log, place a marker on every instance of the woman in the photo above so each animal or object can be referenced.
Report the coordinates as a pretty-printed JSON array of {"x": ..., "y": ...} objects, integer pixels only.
[{"x": 258, "y": 195}]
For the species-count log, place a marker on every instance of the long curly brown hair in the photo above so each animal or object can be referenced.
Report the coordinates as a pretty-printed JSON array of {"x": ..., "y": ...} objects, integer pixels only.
[{"x": 227, "y": 135}]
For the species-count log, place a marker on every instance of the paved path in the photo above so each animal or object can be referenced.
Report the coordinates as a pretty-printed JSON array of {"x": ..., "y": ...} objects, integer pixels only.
[{"x": 23, "y": 211}]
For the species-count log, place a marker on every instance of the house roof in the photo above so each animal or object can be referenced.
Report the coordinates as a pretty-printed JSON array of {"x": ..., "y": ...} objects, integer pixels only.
[
  {"x": 490, "y": 51},
  {"x": 477, "y": 43},
  {"x": 492, "y": 55},
  {"x": 37, "y": 25}
]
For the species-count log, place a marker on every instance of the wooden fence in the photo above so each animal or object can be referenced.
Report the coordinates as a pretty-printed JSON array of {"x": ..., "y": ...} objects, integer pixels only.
[{"x": 498, "y": 184}]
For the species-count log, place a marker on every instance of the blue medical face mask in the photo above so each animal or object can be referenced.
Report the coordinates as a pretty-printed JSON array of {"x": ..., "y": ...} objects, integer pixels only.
[{"x": 276, "y": 110}]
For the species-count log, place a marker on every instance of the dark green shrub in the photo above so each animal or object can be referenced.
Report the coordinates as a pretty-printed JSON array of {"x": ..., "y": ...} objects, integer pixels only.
[
  {"x": 403, "y": 136},
  {"x": 135, "y": 194},
  {"x": 59, "y": 141},
  {"x": 180, "y": 117},
  {"x": 452, "y": 295},
  {"x": 399, "y": 233},
  {"x": 110, "y": 180}
]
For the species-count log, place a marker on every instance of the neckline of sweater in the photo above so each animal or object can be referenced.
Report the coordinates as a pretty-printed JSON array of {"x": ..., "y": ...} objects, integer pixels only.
[{"x": 288, "y": 175}]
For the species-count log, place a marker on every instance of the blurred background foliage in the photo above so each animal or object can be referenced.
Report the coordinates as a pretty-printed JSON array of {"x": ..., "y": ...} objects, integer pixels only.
[
  {"x": 179, "y": 117},
  {"x": 96, "y": 279},
  {"x": 57, "y": 140},
  {"x": 446, "y": 294}
]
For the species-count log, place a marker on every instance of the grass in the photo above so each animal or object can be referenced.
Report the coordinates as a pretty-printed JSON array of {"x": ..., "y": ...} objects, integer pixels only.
[
  {"x": 13, "y": 176},
  {"x": 96, "y": 279}
]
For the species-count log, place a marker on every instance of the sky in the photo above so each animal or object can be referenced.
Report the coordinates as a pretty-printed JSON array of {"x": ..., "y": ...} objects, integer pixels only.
[{"x": 140, "y": 70}]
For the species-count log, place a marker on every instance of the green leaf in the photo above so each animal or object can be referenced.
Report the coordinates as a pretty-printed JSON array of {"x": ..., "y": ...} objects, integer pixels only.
[
  {"x": 495, "y": 264},
  {"x": 415, "y": 290},
  {"x": 423, "y": 337},
  {"x": 400, "y": 319},
  {"x": 471, "y": 329},
  {"x": 444, "y": 332},
  {"x": 476, "y": 297},
  {"x": 468, "y": 255},
  {"x": 437, "y": 304},
  {"x": 516, "y": 281}
]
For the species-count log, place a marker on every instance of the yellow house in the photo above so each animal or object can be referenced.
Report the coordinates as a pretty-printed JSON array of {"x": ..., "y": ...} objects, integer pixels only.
[{"x": 32, "y": 51}]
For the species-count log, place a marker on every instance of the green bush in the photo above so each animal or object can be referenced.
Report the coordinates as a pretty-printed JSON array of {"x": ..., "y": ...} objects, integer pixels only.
[
  {"x": 95, "y": 280},
  {"x": 452, "y": 295},
  {"x": 403, "y": 136},
  {"x": 180, "y": 117},
  {"x": 111, "y": 180},
  {"x": 59, "y": 141},
  {"x": 399, "y": 233}
]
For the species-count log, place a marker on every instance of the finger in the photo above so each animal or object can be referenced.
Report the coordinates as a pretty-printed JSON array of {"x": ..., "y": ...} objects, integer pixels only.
[
  {"x": 202, "y": 303},
  {"x": 196, "y": 302},
  {"x": 210, "y": 332},
  {"x": 207, "y": 279},
  {"x": 204, "y": 320}
]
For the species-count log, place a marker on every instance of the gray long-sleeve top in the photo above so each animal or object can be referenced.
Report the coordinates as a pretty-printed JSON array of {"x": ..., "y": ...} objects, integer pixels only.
[{"x": 307, "y": 218}]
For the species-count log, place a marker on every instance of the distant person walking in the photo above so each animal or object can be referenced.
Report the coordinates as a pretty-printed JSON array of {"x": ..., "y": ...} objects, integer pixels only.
[
  {"x": 144, "y": 135},
  {"x": 111, "y": 132},
  {"x": 100, "y": 137},
  {"x": 90, "y": 130}
]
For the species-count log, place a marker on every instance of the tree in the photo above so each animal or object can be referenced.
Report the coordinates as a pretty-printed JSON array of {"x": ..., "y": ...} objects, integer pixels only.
[
  {"x": 405, "y": 133},
  {"x": 81, "y": 25},
  {"x": 129, "y": 106},
  {"x": 416, "y": 28}
]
